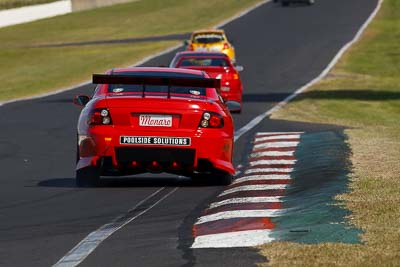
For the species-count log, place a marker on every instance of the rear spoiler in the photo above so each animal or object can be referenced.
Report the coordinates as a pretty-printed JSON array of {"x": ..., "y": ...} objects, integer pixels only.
[{"x": 154, "y": 80}]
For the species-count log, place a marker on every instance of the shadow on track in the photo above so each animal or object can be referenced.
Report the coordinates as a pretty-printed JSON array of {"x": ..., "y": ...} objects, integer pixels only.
[
  {"x": 112, "y": 182},
  {"x": 169, "y": 37},
  {"x": 362, "y": 95}
]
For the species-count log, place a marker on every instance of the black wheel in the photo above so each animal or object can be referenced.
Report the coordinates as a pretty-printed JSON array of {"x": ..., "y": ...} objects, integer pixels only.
[
  {"x": 275, "y": 1},
  {"x": 236, "y": 111},
  {"x": 200, "y": 179},
  {"x": 77, "y": 154},
  {"x": 88, "y": 176},
  {"x": 285, "y": 3},
  {"x": 310, "y": 2},
  {"x": 216, "y": 177},
  {"x": 222, "y": 178},
  {"x": 77, "y": 148}
]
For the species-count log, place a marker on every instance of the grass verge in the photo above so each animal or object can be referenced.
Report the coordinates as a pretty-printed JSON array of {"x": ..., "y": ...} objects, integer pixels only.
[
  {"x": 363, "y": 94},
  {"x": 7, "y": 4},
  {"x": 26, "y": 71}
]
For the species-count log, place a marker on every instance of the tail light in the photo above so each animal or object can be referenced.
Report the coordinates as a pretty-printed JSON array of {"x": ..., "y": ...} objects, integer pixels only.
[
  {"x": 211, "y": 120},
  {"x": 226, "y": 46},
  {"x": 232, "y": 76},
  {"x": 100, "y": 116}
]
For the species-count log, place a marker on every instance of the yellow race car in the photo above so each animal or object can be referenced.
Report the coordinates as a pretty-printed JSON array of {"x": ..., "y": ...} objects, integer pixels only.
[{"x": 211, "y": 41}]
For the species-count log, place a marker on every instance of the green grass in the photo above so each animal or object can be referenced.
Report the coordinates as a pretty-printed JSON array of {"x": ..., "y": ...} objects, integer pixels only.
[
  {"x": 363, "y": 94},
  {"x": 27, "y": 71},
  {"x": 7, "y": 4},
  {"x": 41, "y": 69}
]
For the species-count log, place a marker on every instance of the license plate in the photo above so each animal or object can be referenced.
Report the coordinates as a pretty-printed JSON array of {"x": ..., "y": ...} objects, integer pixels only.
[
  {"x": 214, "y": 49},
  {"x": 151, "y": 120},
  {"x": 202, "y": 49},
  {"x": 155, "y": 140}
]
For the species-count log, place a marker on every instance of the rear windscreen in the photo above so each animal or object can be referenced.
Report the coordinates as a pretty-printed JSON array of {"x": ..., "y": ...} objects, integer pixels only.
[
  {"x": 157, "y": 90},
  {"x": 208, "y": 38},
  {"x": 204, "y": 62}
]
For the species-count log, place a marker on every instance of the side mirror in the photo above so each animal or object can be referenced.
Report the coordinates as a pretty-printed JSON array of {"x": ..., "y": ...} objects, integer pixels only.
[
  {"x": 186, "y": 42},
  {"x": 233, "y": 106},
  {"x": 81, "y": 100},
  {"x": 239, "y": 68}
]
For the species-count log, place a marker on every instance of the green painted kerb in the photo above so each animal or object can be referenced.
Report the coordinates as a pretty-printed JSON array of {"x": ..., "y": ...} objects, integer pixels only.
[{"x": 321, "y": 173}]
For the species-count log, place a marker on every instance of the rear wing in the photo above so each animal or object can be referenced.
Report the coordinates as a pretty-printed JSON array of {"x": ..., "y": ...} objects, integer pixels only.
[{"x": 154, "y": 80}]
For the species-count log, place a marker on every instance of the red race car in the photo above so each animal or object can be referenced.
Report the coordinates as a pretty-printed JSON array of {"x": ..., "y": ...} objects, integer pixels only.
[
  {"x": 154, "y": 120},
  {"x": 218, "y": 66}
]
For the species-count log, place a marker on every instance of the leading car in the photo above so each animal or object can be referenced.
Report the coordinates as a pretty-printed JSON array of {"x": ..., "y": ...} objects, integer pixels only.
[
  {"x": 211, "y": 41},
  {"x": 154, "y": 120}
]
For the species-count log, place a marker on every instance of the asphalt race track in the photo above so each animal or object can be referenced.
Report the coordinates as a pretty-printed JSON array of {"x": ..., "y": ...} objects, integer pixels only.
[{"x": 43, "y": 215}]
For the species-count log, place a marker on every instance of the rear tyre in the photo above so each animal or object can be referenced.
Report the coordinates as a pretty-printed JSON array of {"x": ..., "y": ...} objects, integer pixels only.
[
  {"x": 88, "y": 176},
  {"x": 200, "y": 179},
  {"x": 285, "y": 3},
  {"x": 222, "y": 178},
  {"x": 310, "y": 2}
]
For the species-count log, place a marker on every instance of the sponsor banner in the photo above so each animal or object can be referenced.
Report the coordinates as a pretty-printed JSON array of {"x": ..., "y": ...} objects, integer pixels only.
[{"x": 155, "y": 140}]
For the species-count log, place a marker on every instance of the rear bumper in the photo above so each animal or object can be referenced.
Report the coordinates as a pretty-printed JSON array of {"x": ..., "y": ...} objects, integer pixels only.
[
  {"x": 102, "y": 147},
  {"x": 235, "y": 91},
  {"x": 232, "y": 96}
]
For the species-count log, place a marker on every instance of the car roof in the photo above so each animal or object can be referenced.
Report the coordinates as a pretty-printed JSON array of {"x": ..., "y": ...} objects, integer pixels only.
[
  {"x": 209, "y": 31},
  {"x": 158, "y": 69},
  {"x": 201, "y": 54}
]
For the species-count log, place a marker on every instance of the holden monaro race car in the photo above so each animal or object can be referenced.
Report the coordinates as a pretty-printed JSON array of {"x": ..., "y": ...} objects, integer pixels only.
[
  {"x": 154, "y": 120},
  {"x": 211, "y": 41},
  {"x": 216, "y": 65}
]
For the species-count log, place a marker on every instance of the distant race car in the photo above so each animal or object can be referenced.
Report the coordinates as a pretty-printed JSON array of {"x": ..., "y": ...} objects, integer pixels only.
[
  {"x": 216, "y": 65},
  {"x": 154, "y": 120},
  {"x": 287, "y": 2},
  {"x": 211, "y": 41}
]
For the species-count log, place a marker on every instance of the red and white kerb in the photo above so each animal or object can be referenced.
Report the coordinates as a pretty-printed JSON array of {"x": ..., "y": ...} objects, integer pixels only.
[{"x": 241, "y": 214}]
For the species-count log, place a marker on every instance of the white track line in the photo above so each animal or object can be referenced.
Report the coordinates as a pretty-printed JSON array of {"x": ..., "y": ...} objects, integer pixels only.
[
  {"x": 257, "y": 187},
  {"x": 88, "y": 82},
  {"x": 275, "y": 145},
  {"x": 333, "y": 62},
  {"x": 265, "y": 138},
  {"x": 265, "y": 170},
  {"x": 262, "y": 178},
  {"x": 84, "y": 248},
  {"x": 271, "y": 162},
  {"x": 243, "y": 200},
  {"x": 261, "y": 134},
  {"x": 232, "y": 214},
  {"x": 272, "y": 153},
  {"x": 249, "y": 238},
  {"x": 241, "y": 14}
]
